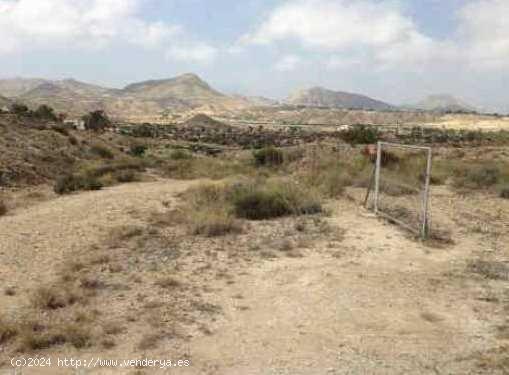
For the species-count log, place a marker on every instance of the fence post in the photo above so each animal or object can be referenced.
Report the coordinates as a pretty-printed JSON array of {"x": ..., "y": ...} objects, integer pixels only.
[
  {"x": 377, "y": 173},
  {"x": 425, "y": 219}
]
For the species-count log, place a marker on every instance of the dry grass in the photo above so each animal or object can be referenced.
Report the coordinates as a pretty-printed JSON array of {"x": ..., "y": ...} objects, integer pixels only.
[
  {"x": 490, "y": 269},
  {"x": 168, "y": 283},
  {"x": 214, "y": 223},
  {"x": 150, "y": 341},
  {"x": 34, "y": 336},
  {"x": 55, "y": 297},
  {"x": 119, "y": 236},
  {"x": 7, "y": 331}
]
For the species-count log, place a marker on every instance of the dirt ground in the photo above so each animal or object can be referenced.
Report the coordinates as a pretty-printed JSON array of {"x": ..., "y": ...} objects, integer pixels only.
[{"x": 361, "y": 298}]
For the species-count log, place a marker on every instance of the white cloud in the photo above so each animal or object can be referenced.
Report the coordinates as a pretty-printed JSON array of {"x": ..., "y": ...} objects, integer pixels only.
[
  {"x": 192, "y": 52},
  {"x": 345, "y": 26},
  {"x": 288, "y": 63},
  {"x": 484, "y": 33},
  {"x": 51, "y": 24}
]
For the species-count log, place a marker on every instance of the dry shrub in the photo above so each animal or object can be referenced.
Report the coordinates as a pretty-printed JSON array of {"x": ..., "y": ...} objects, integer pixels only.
[
  {"x": 7, "y": 331},
  {"x": 504, "y": 192},
  {"x": 150, "y": 341},
  {"x": 214, "y": 223},
  {"x": 118, "y": 236},
  {"x": 101, "y": 151},
  {"x": 3, "y": 208},
  {"x": 269, "y": 156},
  {"x": 34, "y": 336},
  {"x": 70, "y": 183},
  {"x": 55, "y": 297},
  {"x": 168, "y": 283},
  {"x": 490, "y": 269},
  {"x": 477, "y": 177},
  {"x": 206, "y": 211},
  {"x": 113, "y": 328},
  {"x": 266, "y": 199}
]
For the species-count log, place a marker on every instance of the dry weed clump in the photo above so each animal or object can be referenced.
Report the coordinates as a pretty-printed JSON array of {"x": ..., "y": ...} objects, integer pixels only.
[
  {"x": 55, "y": 297},
  {"x": 504, "y": 192},
  {"x": 3, "y": 208},
  {"x": 490, "y": 269},
  {"x": 7, "y": 331},
  {"x": 215, "y": 209},
  {"x": 272, "y": 198},
  {"x": 36, "y": 336},
  {"x": 185, "y": 166},
  {"x": 168, "y": 283},
  {"x": 119, "y": 236},
  {"x": 96, "y": 176}
]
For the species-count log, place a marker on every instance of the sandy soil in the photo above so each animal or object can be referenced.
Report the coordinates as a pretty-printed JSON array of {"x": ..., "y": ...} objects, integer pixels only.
[{"x": 377, "y": 302}]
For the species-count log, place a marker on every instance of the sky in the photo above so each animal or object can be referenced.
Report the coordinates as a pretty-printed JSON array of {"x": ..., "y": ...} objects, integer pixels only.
[{"x": 394, "y": 50}]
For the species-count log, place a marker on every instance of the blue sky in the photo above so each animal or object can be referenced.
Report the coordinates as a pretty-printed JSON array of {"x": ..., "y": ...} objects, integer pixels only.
[{"x": 393, "y": 50}]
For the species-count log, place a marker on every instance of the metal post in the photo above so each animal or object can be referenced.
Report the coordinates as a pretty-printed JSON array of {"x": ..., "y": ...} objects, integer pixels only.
[
  {"x": 377, "y": 173},
  {"x": 425, "y": 217}
]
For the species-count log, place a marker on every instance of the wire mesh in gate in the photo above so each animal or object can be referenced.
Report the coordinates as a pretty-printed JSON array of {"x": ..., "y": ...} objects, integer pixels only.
[{"x": 401, "y": 185}]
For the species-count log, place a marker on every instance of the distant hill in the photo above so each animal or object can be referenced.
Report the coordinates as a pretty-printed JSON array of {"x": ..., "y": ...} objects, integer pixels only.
[
  {"x": 188, "y": 87},
  {"x": 181, "y": 93},
  {"x": 443, "y": 103},
  {"x": 320, "y": 97},
  {"x": 203, "y": 121},
  {"x": 258, "y": 101},
  {"x": 15, "y": 87}
]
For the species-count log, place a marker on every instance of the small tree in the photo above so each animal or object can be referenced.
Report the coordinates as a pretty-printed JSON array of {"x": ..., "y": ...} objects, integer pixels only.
[
  {"x": 96, "y": 121},
  {"x": 45, "y": 112},
  {"x": 19, "y": 109}
]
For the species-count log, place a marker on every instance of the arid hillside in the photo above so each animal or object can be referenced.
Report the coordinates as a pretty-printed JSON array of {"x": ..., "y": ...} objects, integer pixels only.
[
  {"x": 320, "y": 97},
  {"x": 150, "y": 98},
  {"x": 248, "y": 261}
]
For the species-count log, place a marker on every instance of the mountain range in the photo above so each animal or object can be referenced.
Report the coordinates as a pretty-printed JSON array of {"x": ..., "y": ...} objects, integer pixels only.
[
  {"x": 321, "y": 97},
  {"x": 184, "y": 93},
  {"x": 443, "y": 103}
]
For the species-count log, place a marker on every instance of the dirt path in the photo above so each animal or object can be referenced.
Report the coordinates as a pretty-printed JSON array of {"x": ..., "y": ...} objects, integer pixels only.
[
  {"x": 34, "y": 241},
  {"x": 378, "y": 303},
  {"x": 385, "y": 306}
]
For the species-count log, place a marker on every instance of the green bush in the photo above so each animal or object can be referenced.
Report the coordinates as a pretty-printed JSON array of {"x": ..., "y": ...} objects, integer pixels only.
[
  {"x": 96, "y": 121},
  {"x": 137, "y": 150},
  {"x": 125, "y": 176},
  {"x": 360, "y": 134},
  {"x": 19, "y": 109},
  {"x": 101, "y": 151},
  {"x": 180, "y": 155},
  {"x": 44, "y": 112},
  {"x": 269, "y": 156},
  {"x": 70, "y": 183},
  {"x": 271, "y": 200}
]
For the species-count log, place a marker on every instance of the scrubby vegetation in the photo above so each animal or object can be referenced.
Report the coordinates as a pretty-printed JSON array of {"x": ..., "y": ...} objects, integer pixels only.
[
  {"x": 214, "y": 209},
  {"x": 269, "y": 156},
  {"x": 70, "y": 183},
  {"x": 273, "y": 198},
  {"x": 360, "y": 134},
  {"x": 101, "y": 151},
  {"x": 95, "y": 176},
  {"x": 138, "y": 150},
  {"x": 96, "y": 121}
]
